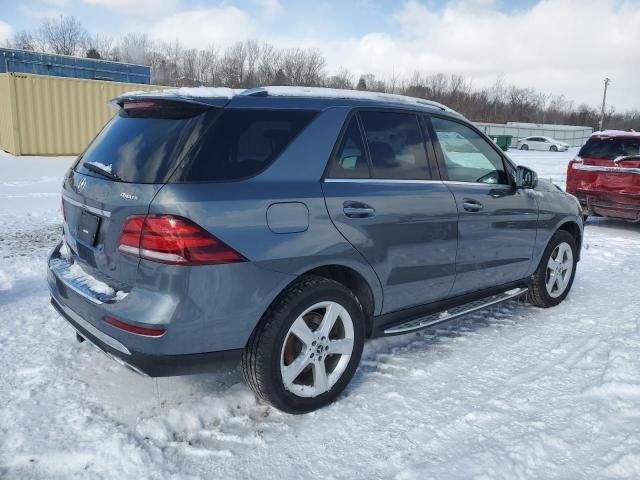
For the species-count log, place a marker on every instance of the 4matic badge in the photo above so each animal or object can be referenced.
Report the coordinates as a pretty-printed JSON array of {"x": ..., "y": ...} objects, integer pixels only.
[{"x": 128, "y": 196}]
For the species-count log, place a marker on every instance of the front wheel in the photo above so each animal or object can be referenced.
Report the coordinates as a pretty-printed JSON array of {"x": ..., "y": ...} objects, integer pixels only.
[
  {"x": 553, "y": 279},
  {"x": 553, "y": 148},
  {"x": 307, "y": 346},
  {"x": 524, "y": 147}
]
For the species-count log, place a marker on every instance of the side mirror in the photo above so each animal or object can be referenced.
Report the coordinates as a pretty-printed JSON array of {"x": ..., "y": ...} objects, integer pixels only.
[{"x": 526, "y": 178}]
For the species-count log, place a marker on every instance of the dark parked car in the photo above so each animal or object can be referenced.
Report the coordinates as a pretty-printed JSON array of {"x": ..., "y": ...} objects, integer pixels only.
[
  {"x": 283, "y": 227},
  {"x": 606, "y": 175}
]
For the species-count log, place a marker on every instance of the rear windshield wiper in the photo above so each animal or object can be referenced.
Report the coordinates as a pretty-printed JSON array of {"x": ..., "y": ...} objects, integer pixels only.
[{"x": 100, "y": 170}]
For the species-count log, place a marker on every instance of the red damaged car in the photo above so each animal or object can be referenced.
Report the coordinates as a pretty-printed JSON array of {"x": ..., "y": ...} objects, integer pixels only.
[{"x": 605, "y": 176}]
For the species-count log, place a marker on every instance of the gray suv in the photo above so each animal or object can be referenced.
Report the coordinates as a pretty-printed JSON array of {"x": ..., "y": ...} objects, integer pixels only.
[{"x": 282, "y": 227}]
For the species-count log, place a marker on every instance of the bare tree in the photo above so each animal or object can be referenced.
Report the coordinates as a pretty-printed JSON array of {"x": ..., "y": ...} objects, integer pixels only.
[
  {"x": 135, "y": 48},
  {"x": 343, "y": 79},
  {"x": 25, "y": 40},
  {"x": 62, "y": 35},
  {"x": 269, "y": 64},
  {"x": 189, "y": 68},
  {"x": 249, "y": 64},
  {"x": 393, "y": 82},
  {"x": 303, "y": 67},
  {"x": 252, "y": 49},
  {"x": 233, "y": 65},
  {"x": 101, "y": 45},
  {"x": 210, "y": 66}
]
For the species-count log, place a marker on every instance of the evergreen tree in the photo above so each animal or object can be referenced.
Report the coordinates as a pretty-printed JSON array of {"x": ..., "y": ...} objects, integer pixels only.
[
  {"x": 280, "y": 78},
  {"x": 93, "y": 53}
]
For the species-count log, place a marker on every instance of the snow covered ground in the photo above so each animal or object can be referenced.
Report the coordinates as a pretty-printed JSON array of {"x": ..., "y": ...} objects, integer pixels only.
[{"x": 517, "y": 392}]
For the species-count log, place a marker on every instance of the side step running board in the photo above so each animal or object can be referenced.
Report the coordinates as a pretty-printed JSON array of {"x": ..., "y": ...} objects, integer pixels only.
[{"x": 454, "y": 312}]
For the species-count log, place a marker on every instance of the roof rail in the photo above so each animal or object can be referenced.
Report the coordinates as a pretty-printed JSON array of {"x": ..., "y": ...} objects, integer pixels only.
[{"x": 320, "y": 92}]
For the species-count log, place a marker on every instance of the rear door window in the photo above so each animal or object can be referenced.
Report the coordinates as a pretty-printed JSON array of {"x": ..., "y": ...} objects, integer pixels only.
[
  {"x": 396, "y": 145},
  {"x": 467, "y": 156}
]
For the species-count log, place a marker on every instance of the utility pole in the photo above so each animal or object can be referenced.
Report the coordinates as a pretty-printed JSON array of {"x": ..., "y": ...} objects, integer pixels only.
[{"x": 607, "y": 81}]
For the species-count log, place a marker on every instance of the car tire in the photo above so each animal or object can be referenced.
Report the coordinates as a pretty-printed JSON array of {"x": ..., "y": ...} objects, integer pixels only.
[
  {"x": 524, "y": 146},
  {"x": 553, "y": 148},
  {"x": 275, "y": 351},
  {"x": 554, "y": 276}
]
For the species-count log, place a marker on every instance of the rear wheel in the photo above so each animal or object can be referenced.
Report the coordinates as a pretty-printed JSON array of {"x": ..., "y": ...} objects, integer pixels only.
[
  {"x": 524, "y": 146},
  {"x": 307, "y": 346},
  {"x": 553, "y": 148},
  {"x": 553, "y": 279}
]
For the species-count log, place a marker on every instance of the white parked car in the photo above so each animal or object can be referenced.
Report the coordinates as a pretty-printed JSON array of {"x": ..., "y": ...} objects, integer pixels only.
[{"x": 542, "y": 143}]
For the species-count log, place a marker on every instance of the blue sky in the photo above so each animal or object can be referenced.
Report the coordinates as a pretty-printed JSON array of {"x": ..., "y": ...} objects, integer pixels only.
[
  {"x": 109, "y": 16},
  {"x": 555, "y": 46}
]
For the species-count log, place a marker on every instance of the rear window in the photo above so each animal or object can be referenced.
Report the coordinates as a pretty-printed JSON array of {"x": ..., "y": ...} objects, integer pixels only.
[
  {"x": 167, "y": 141},
  {"x": 140, "y": 144},
  {"x": 610, "y": 148}
]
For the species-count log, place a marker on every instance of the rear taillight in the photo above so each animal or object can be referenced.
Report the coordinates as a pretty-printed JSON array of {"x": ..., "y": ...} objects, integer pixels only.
[
  {"x": 174, "y": 240},
  {"x": 576, "y": 160},
  {"x": 64, "y": 214},
  {"x": 149, "y": 332}
]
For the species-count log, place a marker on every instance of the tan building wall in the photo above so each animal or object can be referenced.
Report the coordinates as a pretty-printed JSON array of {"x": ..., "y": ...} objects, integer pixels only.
[
  {"x": 42, "y": 115},
  {"x": 7, "y": 115}
]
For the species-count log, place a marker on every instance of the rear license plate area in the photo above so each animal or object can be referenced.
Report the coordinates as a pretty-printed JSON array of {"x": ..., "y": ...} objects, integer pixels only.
[{"x": 88, "y": 227}]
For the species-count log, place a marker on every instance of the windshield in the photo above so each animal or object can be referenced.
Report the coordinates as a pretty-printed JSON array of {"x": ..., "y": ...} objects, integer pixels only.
[{"x": 610, "y": 148}]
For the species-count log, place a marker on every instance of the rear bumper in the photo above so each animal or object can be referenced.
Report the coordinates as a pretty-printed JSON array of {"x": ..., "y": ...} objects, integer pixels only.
[
  {"x": 208, "y": 314},
  {"x": 146, "y": 364},
  {"x": 609, "y": 204}
]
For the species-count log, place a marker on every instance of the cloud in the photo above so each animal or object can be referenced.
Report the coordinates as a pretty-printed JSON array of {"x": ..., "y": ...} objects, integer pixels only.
[
  {"x": 139, "y": 8},
  {"x": 271, "y": 7},
  {"x": 200, "y": 28},
  {"x": 39, "y": 13},
  {"x": 58, "y": 3},
  {"x": 5, "y": 32},
  {"x": 557, "y": 46}
]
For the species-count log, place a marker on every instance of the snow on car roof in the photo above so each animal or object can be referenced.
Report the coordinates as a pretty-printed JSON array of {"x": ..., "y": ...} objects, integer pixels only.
[
  {"x": 616, "y": 133},
  {"x": 310, "y": 92},
  {"x": 190, "y": 92}
]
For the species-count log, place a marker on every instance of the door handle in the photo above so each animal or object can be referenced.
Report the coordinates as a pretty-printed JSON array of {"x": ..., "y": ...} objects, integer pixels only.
[
  {"x": 471, "y": 205},
  {"x": 358, "y": 210}
]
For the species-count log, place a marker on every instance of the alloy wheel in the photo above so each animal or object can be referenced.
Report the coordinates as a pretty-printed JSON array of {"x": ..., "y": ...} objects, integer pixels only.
[
  {"x": 317, "y": 349},
  {"x": 559, "y": 270}
]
